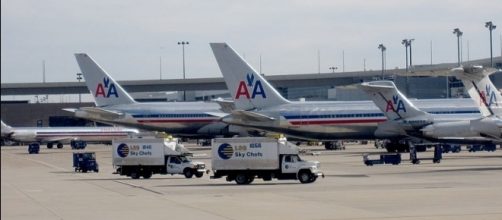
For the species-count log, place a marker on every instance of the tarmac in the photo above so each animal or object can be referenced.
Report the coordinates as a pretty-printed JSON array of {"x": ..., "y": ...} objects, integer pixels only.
[{"x": 463, "y": 186}]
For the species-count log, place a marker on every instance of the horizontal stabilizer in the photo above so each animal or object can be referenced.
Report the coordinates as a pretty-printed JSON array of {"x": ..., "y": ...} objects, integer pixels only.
[
  {"x": 251, "y": 116},
  {"x": 96, "y": 112},
  {"x": 226, "y": 106},
  {"x": 73, "y": 110},
  {"x": 217, "y": 114}
]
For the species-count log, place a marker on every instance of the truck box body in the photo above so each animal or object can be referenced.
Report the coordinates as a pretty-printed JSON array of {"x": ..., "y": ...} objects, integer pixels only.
[
  {"x": 253, "y": 153},
  {"x": 142, "y": 151}
]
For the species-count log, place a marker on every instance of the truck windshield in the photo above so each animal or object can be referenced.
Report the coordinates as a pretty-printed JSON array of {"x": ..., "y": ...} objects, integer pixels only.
[
  {"x": 185, "y": 159},
  {"x": 292, "y": 158},
  {"x": 297, "y": 158}
]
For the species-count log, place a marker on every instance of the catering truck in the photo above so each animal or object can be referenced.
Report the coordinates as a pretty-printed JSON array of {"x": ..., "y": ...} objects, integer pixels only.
[
  {"x": 137, "y": 157},
  {"x": 243, "y": 159}
]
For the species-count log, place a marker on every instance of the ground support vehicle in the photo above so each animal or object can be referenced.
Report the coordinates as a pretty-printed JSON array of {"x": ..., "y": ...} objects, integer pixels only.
[
  {"x": 481, "y": 147},
  {"x": 438, "y": 154},
  {"x": 78, "y": 144},
  {"x": 85, "y": 161},
  {"x": 451, "y": 148},
  {"x": 244, "y": 159},
  {"x": 136, "y": 157},
  {"x": 334, "y": 145},
  {"x": 393, "y": 159},
  {"x": 33, "y": 148}
]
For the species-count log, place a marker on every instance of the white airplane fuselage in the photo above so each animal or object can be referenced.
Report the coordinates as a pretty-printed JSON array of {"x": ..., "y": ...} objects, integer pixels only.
[
  {"x": 181, "y": 118},
  {"x": 67, "y": 134},
  {"x": 346, "y": 119}
]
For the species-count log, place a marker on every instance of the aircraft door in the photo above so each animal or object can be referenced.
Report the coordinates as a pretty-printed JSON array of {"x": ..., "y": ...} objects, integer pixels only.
[
  {"x": 290, "y": 164},
  {"x": 174, "y": 165}
]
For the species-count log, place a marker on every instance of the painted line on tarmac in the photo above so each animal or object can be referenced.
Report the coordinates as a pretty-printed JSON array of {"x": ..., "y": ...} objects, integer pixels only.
[
  {"x": 139, "y": 187},
  {"x": 34, "y": 200},
  {"x": 40, "y": 162}
]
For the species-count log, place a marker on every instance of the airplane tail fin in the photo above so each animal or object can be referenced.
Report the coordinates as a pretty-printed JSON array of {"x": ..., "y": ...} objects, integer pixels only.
[
  {"x": 102, "y": 86},
  {"x": 481, "y": 89},
  {"x": 249, "y": 89},
  {"x": 391, "y": 101}
]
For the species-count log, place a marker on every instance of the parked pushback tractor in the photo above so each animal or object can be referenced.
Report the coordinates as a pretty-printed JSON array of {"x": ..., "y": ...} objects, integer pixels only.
[
  {"x": 136, "y": 157},
  {"x": 244, "y": 159}
]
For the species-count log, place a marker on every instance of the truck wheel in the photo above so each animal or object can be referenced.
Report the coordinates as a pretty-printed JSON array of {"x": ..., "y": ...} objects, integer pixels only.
[
  {"x": 59, "y": 145},
  {"x": 242, "y": 179},
  {"x": 267, "y": 178},
  {"x": 199, "y": 174},
  {"x": 304, "y": 177},
  {"x": 188, "y": 173},
  {"x": 313, "y": 178},
  {"x": 49, "y": 145},
  {"x": 134, "y": 175},
  {"x": 250, "y": 179},
  {"x": 147, "y": 175}
]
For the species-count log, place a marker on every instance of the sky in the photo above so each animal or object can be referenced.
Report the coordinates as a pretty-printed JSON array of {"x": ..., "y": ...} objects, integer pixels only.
[{"x": 133, "y": 40}]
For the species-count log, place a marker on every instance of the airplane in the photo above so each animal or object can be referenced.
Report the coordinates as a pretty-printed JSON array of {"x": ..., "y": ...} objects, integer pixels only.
[
  {"x": 259, "y": 106},
  {"x": 64, "y": 135},
  {"x": 410, "y": 121},
  {"x": 115, "y": 106},
  {"x": 477, "y": 82}
]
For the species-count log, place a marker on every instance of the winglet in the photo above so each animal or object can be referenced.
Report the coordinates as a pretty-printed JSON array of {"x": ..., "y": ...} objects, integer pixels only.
[
  {"x": 249, "y": 89},
  {"x": 390, "y": 100},
  {"x": 103, "y": 87}
]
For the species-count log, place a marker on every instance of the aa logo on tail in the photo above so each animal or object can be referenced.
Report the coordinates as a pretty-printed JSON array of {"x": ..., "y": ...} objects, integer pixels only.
[
  {"x": 106, "y": 89},
  {"x": 488, "y": 96},
  {"x": 395, "y": 105},
  {"x": 255, "y": 87}
]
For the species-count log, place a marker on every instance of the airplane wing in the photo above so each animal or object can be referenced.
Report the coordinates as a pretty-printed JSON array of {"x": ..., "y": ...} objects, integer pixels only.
[
  {"x": 251, "y": 116},
  {"x": 226, "y": 106}
]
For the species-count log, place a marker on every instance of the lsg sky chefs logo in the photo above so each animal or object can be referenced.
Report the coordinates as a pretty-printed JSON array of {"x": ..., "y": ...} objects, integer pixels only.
[
  {"x": 123, "y": 150},
  {"x": 225, "y": 151}
]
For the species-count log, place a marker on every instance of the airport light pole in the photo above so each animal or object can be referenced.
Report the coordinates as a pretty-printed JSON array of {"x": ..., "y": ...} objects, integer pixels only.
[
  {"x": 333, "y": 68},
  {"x": 79, "y": 77},
  {"x": 183, "y": 43},
  {"x": 459, "y": 34},
  {"x": 490, "y": 27},
  {"x": 383, "y": 49},
  {"x": 406, "y": 44},
  {"x": 411, "y": 54}
]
